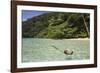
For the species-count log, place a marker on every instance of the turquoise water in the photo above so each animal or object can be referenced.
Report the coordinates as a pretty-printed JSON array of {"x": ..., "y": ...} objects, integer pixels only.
[{"x": 40, "y": 50}]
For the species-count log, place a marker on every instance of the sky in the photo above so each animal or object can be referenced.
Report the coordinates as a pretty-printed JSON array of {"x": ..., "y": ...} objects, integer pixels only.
[{"x": 26, "y": 14}]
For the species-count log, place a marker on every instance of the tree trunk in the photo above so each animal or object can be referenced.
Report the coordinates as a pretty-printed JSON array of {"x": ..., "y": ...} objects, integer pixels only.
[{"x": 86, "y": 26}]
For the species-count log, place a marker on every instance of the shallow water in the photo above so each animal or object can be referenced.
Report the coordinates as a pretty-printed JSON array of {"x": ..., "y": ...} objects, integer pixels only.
[{"x": 40, "y": 50}]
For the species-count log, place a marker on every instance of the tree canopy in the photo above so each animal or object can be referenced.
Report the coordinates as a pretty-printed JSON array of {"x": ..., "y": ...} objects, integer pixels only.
[{"x": 57, "y": 25}]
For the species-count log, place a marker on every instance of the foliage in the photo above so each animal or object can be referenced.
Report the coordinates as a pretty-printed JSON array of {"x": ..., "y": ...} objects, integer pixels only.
[{"x": 56, "y": 25}]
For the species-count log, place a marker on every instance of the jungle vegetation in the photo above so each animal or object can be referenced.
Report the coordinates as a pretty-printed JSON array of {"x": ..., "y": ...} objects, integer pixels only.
[{"x": 57, "y": 25}]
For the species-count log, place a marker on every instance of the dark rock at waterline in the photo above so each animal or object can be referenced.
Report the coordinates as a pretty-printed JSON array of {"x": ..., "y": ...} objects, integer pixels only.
[{"x": 68, "y": 52}]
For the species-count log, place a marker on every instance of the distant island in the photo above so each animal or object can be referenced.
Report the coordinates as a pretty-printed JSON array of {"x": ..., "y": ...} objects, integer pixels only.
[{"x": 57, "y": 25}]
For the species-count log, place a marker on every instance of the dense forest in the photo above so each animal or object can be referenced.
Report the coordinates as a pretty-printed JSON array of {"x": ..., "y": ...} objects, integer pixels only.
[{"x": 57, "y": 25}]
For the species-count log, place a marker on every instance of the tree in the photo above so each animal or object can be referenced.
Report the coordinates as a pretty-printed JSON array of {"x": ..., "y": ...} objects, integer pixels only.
[{"x": 85, "y": 24}]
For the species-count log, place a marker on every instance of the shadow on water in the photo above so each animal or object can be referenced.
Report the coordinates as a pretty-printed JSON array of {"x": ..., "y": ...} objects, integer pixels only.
[{"x": 69, "y": 58}]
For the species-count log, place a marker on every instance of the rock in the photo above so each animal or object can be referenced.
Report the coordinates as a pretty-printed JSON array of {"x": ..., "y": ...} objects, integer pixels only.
[{"x": 68, "y": 52}]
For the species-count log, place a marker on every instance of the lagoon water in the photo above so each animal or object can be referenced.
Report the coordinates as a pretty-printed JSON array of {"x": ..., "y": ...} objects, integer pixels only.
[{"x": 41, "y": 50}]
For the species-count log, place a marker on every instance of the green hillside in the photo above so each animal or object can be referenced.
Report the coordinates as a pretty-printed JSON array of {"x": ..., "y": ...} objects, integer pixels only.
[{"x": 57, "y": 25}]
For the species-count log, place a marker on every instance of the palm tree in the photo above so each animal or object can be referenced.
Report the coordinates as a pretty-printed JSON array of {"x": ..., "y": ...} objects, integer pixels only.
[{"x": 85, "y": 24}]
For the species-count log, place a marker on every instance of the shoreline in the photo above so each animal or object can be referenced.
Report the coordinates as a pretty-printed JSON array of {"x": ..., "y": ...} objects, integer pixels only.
[
  {"x": 79, "y": 39},
  {"x": 61, "y": 39}
]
